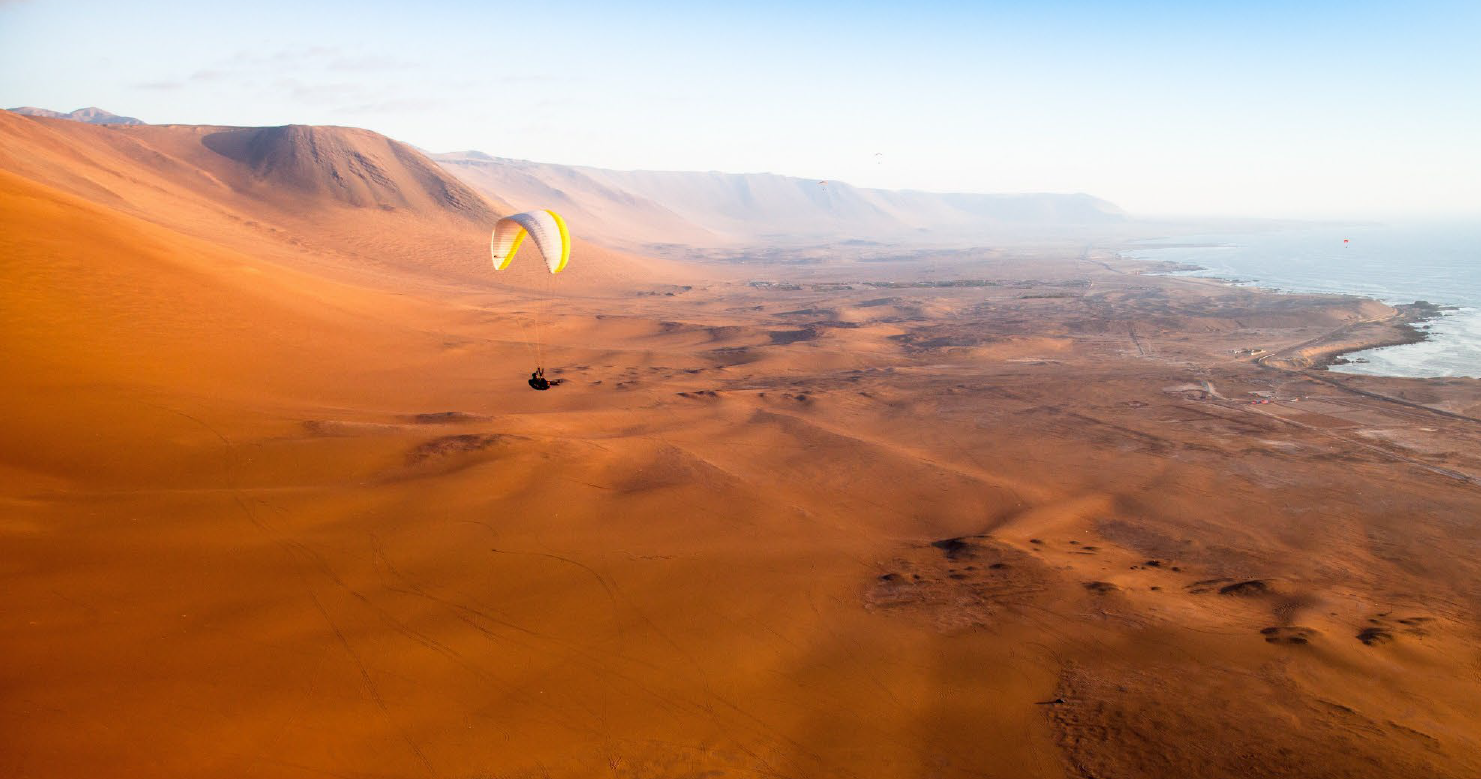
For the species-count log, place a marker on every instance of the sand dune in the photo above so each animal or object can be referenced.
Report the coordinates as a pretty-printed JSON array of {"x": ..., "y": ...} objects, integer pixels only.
[
  {"x": 344, "y": 165},
  {"x": 279, "y": 503}
]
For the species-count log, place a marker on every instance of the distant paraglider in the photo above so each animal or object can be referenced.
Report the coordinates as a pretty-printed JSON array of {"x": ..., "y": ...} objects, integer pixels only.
[
  {"x": 553, "y": 240},
  {"x": 1344, "y": 243}
]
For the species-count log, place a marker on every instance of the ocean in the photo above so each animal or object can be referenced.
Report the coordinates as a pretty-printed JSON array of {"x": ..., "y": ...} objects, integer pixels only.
[{"x": 1440, "y": 263}]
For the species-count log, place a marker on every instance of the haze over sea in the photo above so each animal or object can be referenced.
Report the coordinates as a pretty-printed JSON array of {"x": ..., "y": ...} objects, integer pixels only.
[{"x": 1437, "y": 262}]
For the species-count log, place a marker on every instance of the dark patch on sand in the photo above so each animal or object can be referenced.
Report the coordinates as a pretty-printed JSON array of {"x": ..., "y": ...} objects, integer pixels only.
[
  {"x": 1247, "y": 588},
  {"x": 1375, "y": 636},
  {"x": 783, "y": 337},
  {"x": 954, "y": 548},
  {"x": 446, "y": 418},
  {"x": 1293, "y": 635},
  {"x": 928, "y": 583},
  {"x": 454, "y": 444}
]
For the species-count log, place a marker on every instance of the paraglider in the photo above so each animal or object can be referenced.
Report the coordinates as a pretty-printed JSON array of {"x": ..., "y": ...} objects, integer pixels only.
[
  {"x": 1344, "y": 243},
  {"x": 546, "y": 227},
  {"x": 551, "y": 237}
]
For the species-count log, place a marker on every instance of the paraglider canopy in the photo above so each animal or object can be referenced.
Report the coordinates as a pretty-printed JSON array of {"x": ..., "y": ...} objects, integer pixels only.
[{"x": 546, "y": 227}]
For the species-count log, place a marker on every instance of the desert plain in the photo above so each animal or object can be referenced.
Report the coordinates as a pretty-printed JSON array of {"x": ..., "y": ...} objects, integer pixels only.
[{"x": 277, "y": 501}]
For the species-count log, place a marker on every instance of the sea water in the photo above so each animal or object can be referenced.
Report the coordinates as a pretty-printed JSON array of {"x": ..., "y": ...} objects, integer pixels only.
[{"x": 1440, "y": 263}]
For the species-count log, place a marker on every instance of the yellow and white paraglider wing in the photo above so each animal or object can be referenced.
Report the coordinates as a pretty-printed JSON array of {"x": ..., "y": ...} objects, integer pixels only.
[{"x": 548, "y": 230}]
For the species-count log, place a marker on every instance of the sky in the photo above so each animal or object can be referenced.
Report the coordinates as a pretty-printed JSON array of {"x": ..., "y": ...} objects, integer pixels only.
[{"x": 1319, "y": 110}]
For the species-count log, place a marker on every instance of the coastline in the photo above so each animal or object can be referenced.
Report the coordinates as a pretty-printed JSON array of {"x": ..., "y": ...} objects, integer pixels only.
[
  {"x": 1396, "y": 329},
  {"x": 1330, "y": 349}
]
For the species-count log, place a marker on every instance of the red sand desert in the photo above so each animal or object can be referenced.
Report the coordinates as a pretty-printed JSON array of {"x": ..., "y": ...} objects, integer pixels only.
[{"x": 278, "y": 502}]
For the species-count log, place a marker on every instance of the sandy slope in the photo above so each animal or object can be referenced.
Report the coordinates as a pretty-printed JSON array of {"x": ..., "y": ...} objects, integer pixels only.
[
  {"x": 340, "y": 202},
  {"x": 278, "y": 503}
]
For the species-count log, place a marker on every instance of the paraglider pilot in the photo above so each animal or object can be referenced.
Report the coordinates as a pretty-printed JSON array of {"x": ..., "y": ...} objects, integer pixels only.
[{"x": 539, "y": 382}]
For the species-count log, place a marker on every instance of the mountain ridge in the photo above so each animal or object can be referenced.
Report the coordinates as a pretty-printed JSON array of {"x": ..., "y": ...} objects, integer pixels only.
[
  {"x": 89, "y": 115},
  {"x": 665, "y": 207}
]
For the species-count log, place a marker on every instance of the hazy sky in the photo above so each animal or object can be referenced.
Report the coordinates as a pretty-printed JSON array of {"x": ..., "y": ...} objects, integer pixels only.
[{"x": 1305, "y": 109}]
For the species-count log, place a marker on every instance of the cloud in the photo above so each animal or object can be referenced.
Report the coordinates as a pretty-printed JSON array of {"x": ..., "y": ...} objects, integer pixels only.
[
  {"x": 319, "y": 93},
  {"x": 370, "y": 62},
  {"x": 287, "y": 55},
  {"x": 393, "y": 105},
  {"x": 339, "y": 80},
  {"x": 348, "y": 97},
  {"x": 530, "y": 78},
  {"x": 206, "y": 76},
  {"x": 253, "y": 68},
  {"x": 521, "y": 79}
]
